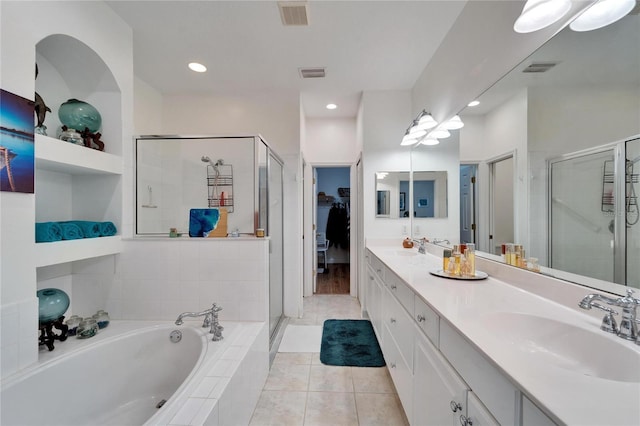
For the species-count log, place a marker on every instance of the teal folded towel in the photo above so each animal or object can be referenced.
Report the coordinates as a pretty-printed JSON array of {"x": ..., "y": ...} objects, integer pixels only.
[
  {"x": 71, "y": 231},
  {"x": 107, "y": 229},
  {"x": 47, "y": 232},
  {"x": 89, "y": 229}
]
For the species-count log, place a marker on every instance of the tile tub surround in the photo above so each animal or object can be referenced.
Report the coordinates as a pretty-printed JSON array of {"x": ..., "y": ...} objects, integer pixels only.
[
  {"x": 222, "y": 389},
  {"x": 157, "y": 278},
  {"x": 561, "y": 393}
]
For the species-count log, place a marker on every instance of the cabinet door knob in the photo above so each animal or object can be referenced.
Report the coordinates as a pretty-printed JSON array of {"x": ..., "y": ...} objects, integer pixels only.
[
  {"x": 465, "y": 421},
  {"x": 420, "y": 318},
  {"x": 393, "y": 287},
  {"x": 455, "y": 406},
  {"x": 392, "y": 320},
  {"x": 379, "y": 271},
  {"x": 393, "y": 365}
]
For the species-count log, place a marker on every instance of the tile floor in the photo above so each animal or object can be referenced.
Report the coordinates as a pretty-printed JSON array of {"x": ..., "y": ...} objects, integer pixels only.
[{"x": 300, "y": 390}]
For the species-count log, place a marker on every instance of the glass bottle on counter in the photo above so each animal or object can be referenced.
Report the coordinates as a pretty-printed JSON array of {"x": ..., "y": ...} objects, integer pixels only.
[
  {"x": 446, "y": 257},
  {"x": 457, "y": 258},
  {"x": 470, "y": 255}
]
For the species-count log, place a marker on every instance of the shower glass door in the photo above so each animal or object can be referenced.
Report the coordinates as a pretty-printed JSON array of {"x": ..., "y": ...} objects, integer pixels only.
[
  {"x": 582, "y": 237},
  {"x": 275, "y": 231},
  {"x": 632, "y": 240}
]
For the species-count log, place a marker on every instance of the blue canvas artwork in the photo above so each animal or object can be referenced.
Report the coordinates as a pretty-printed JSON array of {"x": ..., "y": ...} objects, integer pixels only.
[
  {"x": 17, "y": 162},
  {"x": 203, "y": 221}
]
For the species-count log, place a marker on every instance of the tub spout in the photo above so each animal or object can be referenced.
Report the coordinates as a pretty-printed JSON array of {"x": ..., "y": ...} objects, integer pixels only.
[{"x": 210, "y": 320}]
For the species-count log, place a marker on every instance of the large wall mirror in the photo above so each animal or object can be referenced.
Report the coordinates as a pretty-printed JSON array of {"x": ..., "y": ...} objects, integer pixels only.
[
  {"x": 571, "y": 115},
  {"x": 424, "y": 193}
]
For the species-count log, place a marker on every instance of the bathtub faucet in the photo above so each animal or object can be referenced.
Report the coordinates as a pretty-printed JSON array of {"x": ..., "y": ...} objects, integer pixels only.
[{"x": 210, "y": 320}]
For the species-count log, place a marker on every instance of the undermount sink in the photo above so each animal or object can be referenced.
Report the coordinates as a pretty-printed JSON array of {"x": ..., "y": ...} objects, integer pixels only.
[
  {"x": 406, "y": 252},
  {"x": 581, "y": 351}
]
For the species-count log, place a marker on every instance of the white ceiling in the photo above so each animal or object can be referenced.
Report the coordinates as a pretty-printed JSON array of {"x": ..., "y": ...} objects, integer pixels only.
[{"x": 364, "y": 45}]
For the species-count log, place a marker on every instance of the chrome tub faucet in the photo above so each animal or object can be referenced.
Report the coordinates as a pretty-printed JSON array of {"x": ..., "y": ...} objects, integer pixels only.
[
  {"x": 210, "y": 320},
  {"x": 628, "y": 328}
]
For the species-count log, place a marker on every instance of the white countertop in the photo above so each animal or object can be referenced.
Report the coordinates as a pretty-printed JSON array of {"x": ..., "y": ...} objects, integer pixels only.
[{"x": 474, "y": 308}]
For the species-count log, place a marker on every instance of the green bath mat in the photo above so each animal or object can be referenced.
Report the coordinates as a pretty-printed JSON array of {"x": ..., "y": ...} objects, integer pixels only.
[{"x": 350, "y": 343}]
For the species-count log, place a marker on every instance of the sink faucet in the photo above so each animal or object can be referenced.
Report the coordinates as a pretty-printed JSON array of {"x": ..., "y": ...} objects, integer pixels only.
[
  {"x": 440, "y": 241},
  {"x": 210, "y": 320},
  {"x": 628, "y": 324},
  {"x": 422, "y": 248}
]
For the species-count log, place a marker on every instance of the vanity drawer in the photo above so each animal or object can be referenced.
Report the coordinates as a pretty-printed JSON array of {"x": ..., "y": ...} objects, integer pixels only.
[
  {"x": 401, "y": 372},
  {"x": 399, "y": 324},
  {"x": 428, "y": 321},
  {"x": 401, "y": 291},
  {"x": 378, "y": 267}
]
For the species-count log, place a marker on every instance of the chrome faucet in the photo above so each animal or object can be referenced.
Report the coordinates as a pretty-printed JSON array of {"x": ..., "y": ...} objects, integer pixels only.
[
  {"x": 210, "y": 320},
  {"x": 628, "y": 324},
  {"x": 440, "y": 241},
  {"x": 422, "y": 249}
]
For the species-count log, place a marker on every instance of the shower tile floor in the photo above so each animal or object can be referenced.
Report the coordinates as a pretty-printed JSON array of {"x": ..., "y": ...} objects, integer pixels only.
[{"x": 300, "y": 390}]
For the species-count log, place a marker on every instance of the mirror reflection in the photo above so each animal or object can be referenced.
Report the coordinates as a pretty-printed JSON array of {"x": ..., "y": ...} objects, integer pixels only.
[
  {"x": 398, "y": 194},
  {"x": 568, "y": 117}
]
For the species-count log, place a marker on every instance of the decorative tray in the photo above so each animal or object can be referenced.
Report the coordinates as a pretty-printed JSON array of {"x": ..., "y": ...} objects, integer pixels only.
[{"x": 440, "y": 273}]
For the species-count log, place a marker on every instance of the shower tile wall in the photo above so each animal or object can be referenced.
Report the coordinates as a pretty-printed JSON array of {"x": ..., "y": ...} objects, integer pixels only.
[{"x": 158, "y": 279}]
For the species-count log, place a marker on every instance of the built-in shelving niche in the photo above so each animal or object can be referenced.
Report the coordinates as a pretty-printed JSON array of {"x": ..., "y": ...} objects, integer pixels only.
[{"x": 74, "y": 182}]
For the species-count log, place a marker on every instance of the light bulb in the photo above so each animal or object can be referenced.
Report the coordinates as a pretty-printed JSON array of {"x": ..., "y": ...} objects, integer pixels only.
[
  {"x": 601, "y": 14},
  {"x": 539, "y": 14}
]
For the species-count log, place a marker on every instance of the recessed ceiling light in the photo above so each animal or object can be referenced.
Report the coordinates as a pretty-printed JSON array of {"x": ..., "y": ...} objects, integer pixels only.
[
  {"x": 195, "y": 66},
  {"x": 473, "y": 103},
  {"x": 332, "y": 106}
]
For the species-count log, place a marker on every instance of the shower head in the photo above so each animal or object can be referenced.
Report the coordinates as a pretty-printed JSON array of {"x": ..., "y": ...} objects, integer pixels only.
[{"x": 205, "y": 159}]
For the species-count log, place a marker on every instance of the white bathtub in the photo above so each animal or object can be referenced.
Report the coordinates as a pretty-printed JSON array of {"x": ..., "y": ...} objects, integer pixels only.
[{"x": 120, "y": 376}]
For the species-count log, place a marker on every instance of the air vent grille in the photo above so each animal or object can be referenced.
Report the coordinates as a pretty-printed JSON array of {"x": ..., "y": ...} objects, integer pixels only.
[
  {"x": 318, "y": 72},
  {"x": 293, "y": 13},
  {"x": 538, "y": 67}
]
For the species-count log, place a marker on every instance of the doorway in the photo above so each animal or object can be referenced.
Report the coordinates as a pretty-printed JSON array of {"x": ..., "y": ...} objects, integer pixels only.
[
  {"x": 501, "y": 207},
  {"x": 332, "y": 217},
  {"x": 468, "y": 173}
]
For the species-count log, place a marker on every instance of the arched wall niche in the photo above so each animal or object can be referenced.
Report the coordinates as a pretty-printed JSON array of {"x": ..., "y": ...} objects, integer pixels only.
[{"x": 69, "y": 68}]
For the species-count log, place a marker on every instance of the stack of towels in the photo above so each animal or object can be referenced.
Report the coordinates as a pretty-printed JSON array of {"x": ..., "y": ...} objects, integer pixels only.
[{"x": 47, "y": 232}]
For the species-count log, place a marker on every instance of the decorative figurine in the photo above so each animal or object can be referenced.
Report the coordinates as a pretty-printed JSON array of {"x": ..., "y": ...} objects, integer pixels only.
[{"x": 41, "y": 110}]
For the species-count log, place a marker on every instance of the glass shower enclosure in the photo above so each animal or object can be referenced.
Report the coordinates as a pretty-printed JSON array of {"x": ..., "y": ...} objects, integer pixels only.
[
  {"x": 243, "y": 174},
  {"x": 593, "y": 223}
]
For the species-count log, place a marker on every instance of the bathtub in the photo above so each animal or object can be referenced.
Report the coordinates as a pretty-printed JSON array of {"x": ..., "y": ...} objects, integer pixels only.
[{"x": 132, "y": 373}]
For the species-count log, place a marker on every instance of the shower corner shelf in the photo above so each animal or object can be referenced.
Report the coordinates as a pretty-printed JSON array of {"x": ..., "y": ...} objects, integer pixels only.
[{"x": 220, "y": 186}]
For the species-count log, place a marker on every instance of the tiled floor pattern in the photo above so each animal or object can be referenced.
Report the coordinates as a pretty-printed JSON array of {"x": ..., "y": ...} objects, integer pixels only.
[{"x": 300, "y": 390}]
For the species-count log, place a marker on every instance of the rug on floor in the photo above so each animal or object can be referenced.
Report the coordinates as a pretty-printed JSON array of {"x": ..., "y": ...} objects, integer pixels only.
[
  {"x": 350, "y": 343},
  {"x": 301, "y": 338}
]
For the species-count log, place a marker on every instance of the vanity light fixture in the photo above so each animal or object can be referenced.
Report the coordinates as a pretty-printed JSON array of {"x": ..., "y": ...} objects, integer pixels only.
[
  {"x": 473, "y": 103},
  {"x": 425, "y": 121},
  {"x": 331, "y": 106},
  {"x": 197, "y": 67},
  {"x": 439, "y": 133},
  {"x": 454, "y": 123},
  {"x": 539, "y": 14},
  {"x": 601, "y": 14},
  {"x": 430, "y": 141},
  {"x": 426, "y": 130},
  {"x": 381, "y": 175}
]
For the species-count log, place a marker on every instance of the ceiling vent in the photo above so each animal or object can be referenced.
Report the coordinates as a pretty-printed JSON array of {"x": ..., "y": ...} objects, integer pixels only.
[
  {"x": 317, "y": 72},
  {"x": 540, "y": 67},
  {"x": 294, "y": 13}
]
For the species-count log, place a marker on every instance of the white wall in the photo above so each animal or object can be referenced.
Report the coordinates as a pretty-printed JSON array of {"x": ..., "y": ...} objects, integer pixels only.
[
  {"x": 23, "y": 25},
  {"x": 330, "y": 140},
  {"x": 385, "y": 117}
]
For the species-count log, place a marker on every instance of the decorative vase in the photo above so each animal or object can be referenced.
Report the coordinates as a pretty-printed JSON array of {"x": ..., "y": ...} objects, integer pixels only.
[
  {"x": 52, "y": 304},
  {"x": 77, "y": 114}
]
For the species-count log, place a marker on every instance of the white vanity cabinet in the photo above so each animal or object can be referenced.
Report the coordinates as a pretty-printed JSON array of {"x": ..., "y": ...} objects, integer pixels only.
[
  {"x": 440, "y": 378},
  {"x": 439, "y": 393}
]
